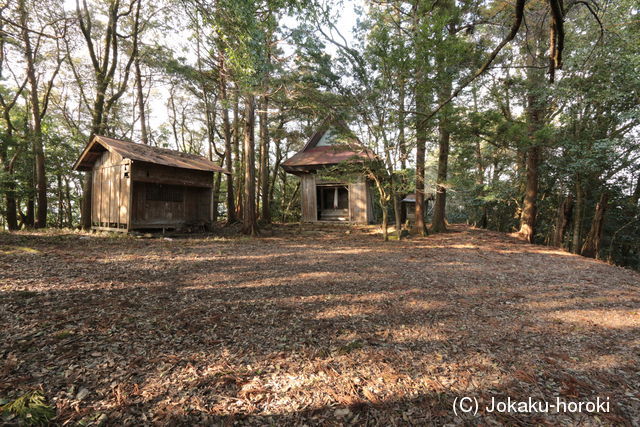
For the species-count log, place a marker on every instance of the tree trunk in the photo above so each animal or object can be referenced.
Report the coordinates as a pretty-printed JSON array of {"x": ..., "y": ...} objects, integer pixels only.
[
  {"x": 226, "y": 126},
  {"x": 264, "y": 160},
  {"x": 397, "y": 213},
  {"x": 12, "y": 211},
  {"x": 29, "y": 219},
  {"x": 592, "y": 243},
  {"x": 438, "y": 223},
  {"x": 250, "y": 225},
  {"x": 528, "y": 217},
  {"x": 421, "y": 141},
  {"x": 385, "y": 224},
  {"x": 60, "y": 202},
  {"x": 216, "y": 192},
  {"x": 68, "y": 197},
  {"x": 36, "y": 117},
  {"x": 577, "y": 218},
  {"x": 562, "y": 221},
  {"x": 239, "y": 164},
  {"x": 85, "y": 202},
  {"x": 483, "y": 221},
  {"x": 636, "y": 194},
  {"x": 141, "y": 111},
  {"x": 401, "y": 124}
]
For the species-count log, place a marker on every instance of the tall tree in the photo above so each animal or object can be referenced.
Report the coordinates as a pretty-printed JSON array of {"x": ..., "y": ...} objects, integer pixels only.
[
  {"x": 249, "y": 223},
  {"x": 105, "y": 60},
  {"x": 38, "y": 101}
]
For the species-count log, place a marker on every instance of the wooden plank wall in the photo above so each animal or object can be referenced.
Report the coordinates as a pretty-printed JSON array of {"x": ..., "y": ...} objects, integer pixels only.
[
  {"x": 160, "y": 174},
  {"x": 369, "y": 187},
  {"x": 194, "y": 207},
  {"x": 308, "y": 198},
  {"x": 110, "y": 192},
  {"x": 358, "y": 202}
]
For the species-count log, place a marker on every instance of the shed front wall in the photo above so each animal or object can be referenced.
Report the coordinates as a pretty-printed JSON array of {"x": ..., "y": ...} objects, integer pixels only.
[
  {"x": 360, "y": 200},
  {"x": 169, "y": 206},
  {"x": 111, "y": 186}
]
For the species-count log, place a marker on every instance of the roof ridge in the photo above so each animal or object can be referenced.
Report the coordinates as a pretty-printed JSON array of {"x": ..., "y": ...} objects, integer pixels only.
[{"x": 153, "y": 147}]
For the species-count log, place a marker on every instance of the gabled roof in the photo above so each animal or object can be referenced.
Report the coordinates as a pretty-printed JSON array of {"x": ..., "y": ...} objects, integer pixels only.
[
  {"x": 314, "y": 156},
  {"x": 143, "y": 153},
  {"x": 411, "y": 197}
]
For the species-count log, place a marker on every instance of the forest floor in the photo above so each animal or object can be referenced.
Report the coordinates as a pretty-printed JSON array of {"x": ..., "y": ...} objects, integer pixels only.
[{"x": 314, "y": 326}]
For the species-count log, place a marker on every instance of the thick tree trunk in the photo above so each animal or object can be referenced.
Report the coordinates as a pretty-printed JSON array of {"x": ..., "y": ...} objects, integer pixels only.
[
  {"x": 401, "y": 124},
  {"x": 85, "y": 203},
  {"x": 562, "y": 221},
  {"x": 636, "y": 194},
  {"x": 577, "y": 218},
  {"x": 29, "y": 219},
  {"x": 250, "y": 224},
  {"x": 264, "y": 160},
  {"x": 592, "y": 244},
  {"x": 226, "y": 127},
  {"x": 421, "y": 141},
  {"x": 529, "y": 210},
  {"x": 438, "y": 223},
  {"x": 11, "y": 206}
]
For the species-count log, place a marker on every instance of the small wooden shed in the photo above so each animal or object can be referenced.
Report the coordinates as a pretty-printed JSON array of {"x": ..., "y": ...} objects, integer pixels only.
[
  {"x": 408, "y": 205},
  {"x": 136, "y": 186},
  {"x": 331, "y": 199}
]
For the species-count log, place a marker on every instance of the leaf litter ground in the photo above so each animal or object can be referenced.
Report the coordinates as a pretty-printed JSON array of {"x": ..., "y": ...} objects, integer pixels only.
[{"x": 314, "y": 326}]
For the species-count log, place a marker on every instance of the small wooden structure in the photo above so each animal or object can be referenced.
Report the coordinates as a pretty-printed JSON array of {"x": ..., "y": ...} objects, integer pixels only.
[
  {"x": 408, "y": 205},
  {"x": 136, "y": 186},
  {"x": 331, "y": 199}
]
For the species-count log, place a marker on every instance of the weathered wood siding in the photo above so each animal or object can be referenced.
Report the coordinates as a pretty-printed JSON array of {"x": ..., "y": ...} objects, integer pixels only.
[
  {"x": 358, "y": 202},
  {"x": 308, "y": 198},
  {"x": 161, "y": 205},
  {"x": 111, "y": 186},
  {"x": 370, "y": 216},
  {"x": 149, "y": 172}
]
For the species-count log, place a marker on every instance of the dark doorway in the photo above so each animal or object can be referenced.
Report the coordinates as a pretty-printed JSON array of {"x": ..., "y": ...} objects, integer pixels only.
[{"x": 333, "y": 203}]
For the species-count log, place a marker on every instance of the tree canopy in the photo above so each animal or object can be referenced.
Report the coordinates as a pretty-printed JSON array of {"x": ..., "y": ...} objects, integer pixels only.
[{"x": 519, "y": 116}]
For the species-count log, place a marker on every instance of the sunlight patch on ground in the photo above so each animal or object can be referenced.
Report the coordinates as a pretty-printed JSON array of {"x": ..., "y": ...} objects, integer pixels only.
[
  {"x": 347, "y": 310},
  {"x": 16, "y": 250},
  {"x": 608, "y": 318}
]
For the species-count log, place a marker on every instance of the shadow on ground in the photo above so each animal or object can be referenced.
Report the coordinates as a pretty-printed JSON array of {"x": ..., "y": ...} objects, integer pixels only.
[{"x": 314, "y": 328}]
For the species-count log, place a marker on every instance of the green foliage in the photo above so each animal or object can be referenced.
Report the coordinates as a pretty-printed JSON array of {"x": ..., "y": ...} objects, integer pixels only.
[{"x": 29, "y": 409}]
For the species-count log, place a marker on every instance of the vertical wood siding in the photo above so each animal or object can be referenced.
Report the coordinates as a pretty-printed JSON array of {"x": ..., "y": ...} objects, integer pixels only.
[
  {"x": 308, "y": 198},
  {"x": 110, "y": 192}
]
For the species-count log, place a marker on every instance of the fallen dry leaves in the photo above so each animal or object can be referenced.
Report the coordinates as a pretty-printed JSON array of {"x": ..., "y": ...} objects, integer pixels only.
[{"x": 313, "y": 326}]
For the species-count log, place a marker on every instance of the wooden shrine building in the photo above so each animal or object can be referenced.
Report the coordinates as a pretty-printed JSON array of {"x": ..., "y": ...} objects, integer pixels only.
[
  {"x": 408, "y": 207},
  {"x": 136, "y": 186},
  {"x": 331, "y": 199}
]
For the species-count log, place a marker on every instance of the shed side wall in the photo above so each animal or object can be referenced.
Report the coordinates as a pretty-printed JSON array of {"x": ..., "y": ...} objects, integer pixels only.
[
  {"x": 308, "y": 198},
  {"x": 110, "y": 200}
]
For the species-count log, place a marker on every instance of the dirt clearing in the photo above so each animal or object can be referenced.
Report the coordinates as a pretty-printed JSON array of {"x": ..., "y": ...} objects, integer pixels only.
[{"x": 316, "y": 328}]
